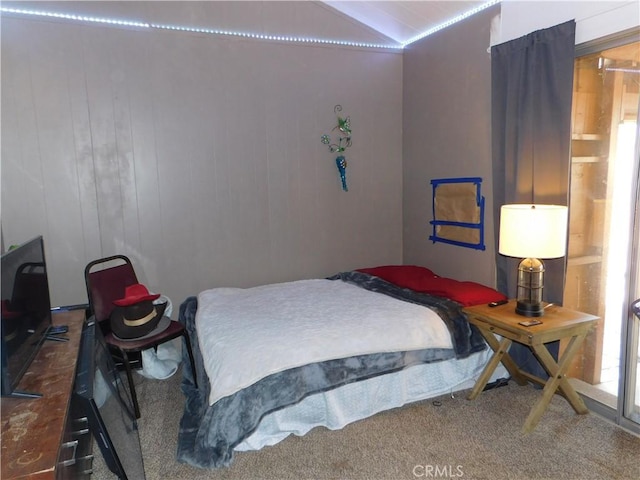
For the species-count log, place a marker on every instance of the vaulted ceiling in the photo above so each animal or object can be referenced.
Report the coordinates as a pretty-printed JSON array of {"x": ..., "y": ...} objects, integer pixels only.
[{"x": 404, "y": 20}]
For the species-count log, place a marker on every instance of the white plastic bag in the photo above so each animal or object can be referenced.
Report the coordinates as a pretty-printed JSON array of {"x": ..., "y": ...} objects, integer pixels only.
[{"x": 163, "y": 362}]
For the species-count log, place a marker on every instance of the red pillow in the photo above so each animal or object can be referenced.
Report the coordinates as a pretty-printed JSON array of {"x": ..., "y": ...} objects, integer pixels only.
[
  {"x": 405, "y": 276},
  {"x": 423, "y": 280},
  {"x": 467, "y": 293}
]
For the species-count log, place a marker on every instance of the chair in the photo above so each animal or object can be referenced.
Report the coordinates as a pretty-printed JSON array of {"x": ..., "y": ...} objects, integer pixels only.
[{"x": 106, "y": 280}]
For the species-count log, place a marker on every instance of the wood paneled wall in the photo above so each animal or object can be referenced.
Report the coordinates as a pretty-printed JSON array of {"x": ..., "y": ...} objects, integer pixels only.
[
  {"x": 198, "y": 156},
  {"x": 447, "y": 134}
]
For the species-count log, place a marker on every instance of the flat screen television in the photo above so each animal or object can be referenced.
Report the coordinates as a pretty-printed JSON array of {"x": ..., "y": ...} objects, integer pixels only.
[{"x": 26, "y": 311}]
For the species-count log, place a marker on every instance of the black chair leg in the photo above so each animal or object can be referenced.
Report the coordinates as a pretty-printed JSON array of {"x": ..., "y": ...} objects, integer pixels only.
[
  {"x": 193, "y": 363},
  {"x": 134, "y": 397}
]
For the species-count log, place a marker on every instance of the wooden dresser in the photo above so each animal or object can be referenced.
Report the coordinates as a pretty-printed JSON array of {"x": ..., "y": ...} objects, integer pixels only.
[{"x": 48, "y": 438}]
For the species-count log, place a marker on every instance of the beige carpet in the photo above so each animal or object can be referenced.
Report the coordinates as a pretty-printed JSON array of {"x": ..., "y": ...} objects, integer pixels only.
[{"x": 452, "y": 438}]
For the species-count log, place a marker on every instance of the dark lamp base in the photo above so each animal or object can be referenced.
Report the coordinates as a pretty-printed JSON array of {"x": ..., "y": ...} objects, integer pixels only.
[{"x": 529, "y": 309}]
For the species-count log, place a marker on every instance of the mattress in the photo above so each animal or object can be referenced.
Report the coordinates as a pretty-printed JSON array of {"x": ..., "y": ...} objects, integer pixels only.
[{"x": 247, "y": 334}]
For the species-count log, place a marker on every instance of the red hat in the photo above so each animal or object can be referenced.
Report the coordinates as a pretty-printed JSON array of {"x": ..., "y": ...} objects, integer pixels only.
[{"x": 135, "y": 294}]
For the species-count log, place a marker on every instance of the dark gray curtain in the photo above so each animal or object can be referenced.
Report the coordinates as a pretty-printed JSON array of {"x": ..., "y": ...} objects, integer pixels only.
[{"x": 531, "y": 92}]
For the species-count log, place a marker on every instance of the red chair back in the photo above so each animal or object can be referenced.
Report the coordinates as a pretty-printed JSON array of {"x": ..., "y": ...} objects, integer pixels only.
[{"x": 106, "y": 284}]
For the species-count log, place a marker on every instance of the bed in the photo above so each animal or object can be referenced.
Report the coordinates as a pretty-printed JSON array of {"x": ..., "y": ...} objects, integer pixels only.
[{"x": 281, "y": 359}]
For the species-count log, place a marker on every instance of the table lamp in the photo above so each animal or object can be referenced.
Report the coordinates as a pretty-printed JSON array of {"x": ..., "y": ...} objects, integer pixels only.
[{"x": 532, "y": 232}]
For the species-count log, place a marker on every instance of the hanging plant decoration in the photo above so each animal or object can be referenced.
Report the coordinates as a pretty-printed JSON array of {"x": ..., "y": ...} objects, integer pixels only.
[{"x": 343, "y": 141}]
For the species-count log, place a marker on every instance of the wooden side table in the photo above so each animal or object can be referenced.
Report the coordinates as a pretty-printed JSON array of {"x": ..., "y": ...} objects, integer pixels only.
[{"x": 557, "y": 323}]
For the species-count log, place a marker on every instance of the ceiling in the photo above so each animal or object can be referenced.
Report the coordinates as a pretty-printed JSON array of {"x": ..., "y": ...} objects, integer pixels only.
[{"x": 403, "y": 20}]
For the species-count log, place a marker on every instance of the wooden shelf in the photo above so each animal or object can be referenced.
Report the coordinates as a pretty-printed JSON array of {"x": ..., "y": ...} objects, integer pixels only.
[
  {"x": 589, "y": 159},
  {"x": 587, "y": 136},
  {"x": 584, "y": 260}
]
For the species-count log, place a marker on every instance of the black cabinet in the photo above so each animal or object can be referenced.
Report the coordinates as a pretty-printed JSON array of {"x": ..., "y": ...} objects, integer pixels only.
[
  {"x": 75, "y": 459},
  {"x": 103, "y": 398}
]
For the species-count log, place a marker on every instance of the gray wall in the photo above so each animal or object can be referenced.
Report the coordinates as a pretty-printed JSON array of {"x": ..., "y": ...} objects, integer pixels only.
[
  {"x": 447, "y": 134},
  {"x": 199, "y": 156}
]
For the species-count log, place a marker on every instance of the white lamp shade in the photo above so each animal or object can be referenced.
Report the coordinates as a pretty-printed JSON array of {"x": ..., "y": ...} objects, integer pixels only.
[{"x": 533, "y": 231}]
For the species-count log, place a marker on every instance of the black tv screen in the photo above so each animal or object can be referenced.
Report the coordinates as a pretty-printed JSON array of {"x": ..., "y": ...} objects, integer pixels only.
[{"x": 26, "y": 310}]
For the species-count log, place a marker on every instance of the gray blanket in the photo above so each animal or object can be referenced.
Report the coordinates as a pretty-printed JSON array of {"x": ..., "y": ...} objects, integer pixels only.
[{"x": 208, "y": 434}]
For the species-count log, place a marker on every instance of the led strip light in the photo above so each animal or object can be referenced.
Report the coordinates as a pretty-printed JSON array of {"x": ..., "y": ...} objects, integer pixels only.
[
  {"x": 278, "y": 38},
  {"x": 254, "y": 36},
  {"x": 448, "y": 23},
  {"x": 77, "y": 18},
  {"x": 181, "y": 28}
]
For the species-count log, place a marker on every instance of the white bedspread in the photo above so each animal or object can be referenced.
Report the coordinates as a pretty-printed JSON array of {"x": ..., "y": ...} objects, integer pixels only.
[{"x": 247, "y": 334}]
